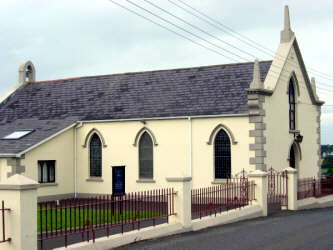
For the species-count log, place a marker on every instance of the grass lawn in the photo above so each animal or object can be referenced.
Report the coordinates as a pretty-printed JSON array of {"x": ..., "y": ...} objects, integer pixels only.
[{"x": 76, "y": 217}]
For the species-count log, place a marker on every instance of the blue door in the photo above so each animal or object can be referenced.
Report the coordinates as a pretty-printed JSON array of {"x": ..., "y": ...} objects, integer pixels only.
[{"x": 118, "y": 180}]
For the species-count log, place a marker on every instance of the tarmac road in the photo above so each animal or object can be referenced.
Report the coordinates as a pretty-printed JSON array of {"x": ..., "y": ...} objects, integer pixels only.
[{"x": 310, "y": 229}]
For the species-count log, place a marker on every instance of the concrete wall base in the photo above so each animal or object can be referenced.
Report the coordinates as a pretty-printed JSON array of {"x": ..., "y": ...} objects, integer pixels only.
[
  {"x": 231, "y": 216},
  {"x": 312, "y": 202},
  {"x": 163, "y": 230},
  {"x": 129, "y": 237}
]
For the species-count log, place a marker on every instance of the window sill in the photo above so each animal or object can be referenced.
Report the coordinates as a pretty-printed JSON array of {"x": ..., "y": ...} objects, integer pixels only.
[
  {"x": 145, "y": 181},
  {"x": 219, "y": 181},
  {"x": 95, "y": 179},
  {"x": 48, "y": 184}
]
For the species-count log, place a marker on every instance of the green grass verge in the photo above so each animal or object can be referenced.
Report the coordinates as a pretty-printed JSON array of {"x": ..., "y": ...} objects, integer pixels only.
[{"x": 66, "y": 218}]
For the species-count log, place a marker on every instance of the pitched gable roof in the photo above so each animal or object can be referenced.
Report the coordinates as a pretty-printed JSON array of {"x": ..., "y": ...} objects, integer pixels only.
[{"x": 49, "y": 106}]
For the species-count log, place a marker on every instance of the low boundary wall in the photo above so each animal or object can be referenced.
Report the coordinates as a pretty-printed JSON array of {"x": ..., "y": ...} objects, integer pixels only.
[
  {"x": 248, "y": 212},
  {"x": 310, "y": 203}
]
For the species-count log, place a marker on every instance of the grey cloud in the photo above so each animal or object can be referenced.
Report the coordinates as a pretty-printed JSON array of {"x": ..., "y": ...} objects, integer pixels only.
[{"x": 84, "y": 37}]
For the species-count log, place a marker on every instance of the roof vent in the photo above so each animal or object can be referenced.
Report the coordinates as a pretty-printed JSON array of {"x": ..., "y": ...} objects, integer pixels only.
[{"x": 27, "y": 72}]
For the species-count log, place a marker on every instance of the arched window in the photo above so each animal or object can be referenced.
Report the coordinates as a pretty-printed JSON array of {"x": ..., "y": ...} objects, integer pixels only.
[
  {"x": 95, "y": 149},
  {"x": 146, "y": 157},
  {"x": 292, "y": 160},
  {"x": 292, "y": 106},
  {"x": 222, "y": 155},
  {"x": 28, "y": 73}
]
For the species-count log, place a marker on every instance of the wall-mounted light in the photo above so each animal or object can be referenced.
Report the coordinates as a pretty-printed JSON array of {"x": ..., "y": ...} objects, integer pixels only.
[{"x": 298, "y": 138}]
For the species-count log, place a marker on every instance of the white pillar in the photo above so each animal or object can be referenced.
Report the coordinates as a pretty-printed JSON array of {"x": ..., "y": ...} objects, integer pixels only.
[
  {"x": 261, "y": 188},
  {"x": 292, "y": 188},
  {"x": 182, "y": 202},
  {"x": 20, "y": 195}
]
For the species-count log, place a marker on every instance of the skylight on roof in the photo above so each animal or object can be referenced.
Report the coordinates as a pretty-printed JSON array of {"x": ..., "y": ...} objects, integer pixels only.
[{"x": 17, "y": 134}]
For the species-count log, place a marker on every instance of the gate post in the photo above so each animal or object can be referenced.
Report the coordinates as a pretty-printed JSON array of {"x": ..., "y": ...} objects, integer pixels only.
[
  {"x": 292, "y": 188},
  {"x": 260, "y": 179},
  {"x": 182, "y": 200},
  {"x": 20, "y": 196}
]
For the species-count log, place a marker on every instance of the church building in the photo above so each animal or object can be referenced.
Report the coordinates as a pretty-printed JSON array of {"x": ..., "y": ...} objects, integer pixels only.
[{"x": 136, "y": 131}]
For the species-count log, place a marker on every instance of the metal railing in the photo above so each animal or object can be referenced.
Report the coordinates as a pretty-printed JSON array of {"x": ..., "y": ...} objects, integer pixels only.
[
  {"x": 234, "y": 193},
  {"x": 277, "y": 193},
  {"x": 312, "y": 187},
  {"x": 87, "y": 216},
  {"x": 3, "y": 210}
]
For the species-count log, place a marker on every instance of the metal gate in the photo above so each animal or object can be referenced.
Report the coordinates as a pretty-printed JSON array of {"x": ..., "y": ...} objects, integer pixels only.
[{"x": 277, "y": 195}]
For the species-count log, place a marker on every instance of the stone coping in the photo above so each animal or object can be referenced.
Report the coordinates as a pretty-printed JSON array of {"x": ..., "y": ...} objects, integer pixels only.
[
  {"x": 178, "y": 179},
  {"x": 145, "y": 181}
]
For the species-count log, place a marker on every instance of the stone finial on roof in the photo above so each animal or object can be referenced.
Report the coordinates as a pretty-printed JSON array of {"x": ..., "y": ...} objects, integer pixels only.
[
  {"x": 313, "y": 86},
  {"x": 27, "y": 72},
  {"x": 286, "y": 34},
  {"x": 256, "y": 81}
]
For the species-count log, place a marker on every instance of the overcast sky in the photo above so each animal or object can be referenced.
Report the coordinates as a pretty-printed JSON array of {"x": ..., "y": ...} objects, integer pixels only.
[{"x": 68, "y": 38}]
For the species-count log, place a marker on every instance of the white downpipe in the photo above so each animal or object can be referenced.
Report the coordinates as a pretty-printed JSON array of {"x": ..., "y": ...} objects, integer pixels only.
[
  {"x": 75, "y": 162},
  {"x": 190, "y": 144},
  {"x": 78, "y": 125}
]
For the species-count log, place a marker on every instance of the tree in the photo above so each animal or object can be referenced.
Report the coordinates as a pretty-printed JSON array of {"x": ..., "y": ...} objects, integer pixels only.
[
  {"x": 328, "y": 165},
  {"x": 328, "y": 162}
]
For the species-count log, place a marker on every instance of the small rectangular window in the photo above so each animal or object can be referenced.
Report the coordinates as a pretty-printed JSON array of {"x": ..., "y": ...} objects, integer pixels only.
[{"x": 46, "y": 171}]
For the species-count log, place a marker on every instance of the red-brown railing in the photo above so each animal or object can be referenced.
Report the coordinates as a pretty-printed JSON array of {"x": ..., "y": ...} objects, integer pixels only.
[
  {"x": 312, "y": 187},
  {"x": 89, "y": 216},
  {"x": 3, "y": 210},
  {"x": 277, "y": 193},
  {"x": 307, "y": 187},
  {"x": 234, "y": 193}
]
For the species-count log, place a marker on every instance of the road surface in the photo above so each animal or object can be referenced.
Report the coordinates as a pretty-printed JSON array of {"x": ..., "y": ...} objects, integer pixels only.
[{"x": 311, "y": 229}]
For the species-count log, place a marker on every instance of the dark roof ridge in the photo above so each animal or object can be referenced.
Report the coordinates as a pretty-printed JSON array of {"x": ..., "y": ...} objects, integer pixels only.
[{"x": 144, "y": 71}]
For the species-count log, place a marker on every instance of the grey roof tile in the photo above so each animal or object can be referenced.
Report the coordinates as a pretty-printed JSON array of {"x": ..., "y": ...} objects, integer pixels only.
[{"x": 50, "y": 106}]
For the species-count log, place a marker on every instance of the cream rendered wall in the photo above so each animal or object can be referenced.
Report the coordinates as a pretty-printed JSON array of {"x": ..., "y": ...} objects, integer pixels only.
[
  {"x": 171, "y": 155},
  {"x": 60, "y": 149},
  {"x": 3, "y": 169},
  {"x": 278, "y": 137},
  {"x": 203, "y": 154}
]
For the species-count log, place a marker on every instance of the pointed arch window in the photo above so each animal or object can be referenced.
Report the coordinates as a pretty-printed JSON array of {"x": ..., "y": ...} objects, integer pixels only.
[
  {"x": 292, "y": 106},
  {"x": 95, "y": 149},
  {"x": 146, "y": 164},
  {"x": 222, "y": 154},
  {"x": 292, "y": 160}
]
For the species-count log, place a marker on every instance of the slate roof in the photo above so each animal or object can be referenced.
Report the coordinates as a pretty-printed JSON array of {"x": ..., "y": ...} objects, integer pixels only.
[{"x": 50, "y": 106}]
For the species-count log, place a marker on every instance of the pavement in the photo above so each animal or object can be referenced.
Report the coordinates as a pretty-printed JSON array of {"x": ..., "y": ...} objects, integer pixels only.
[{"x": 285, "y": 230}]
